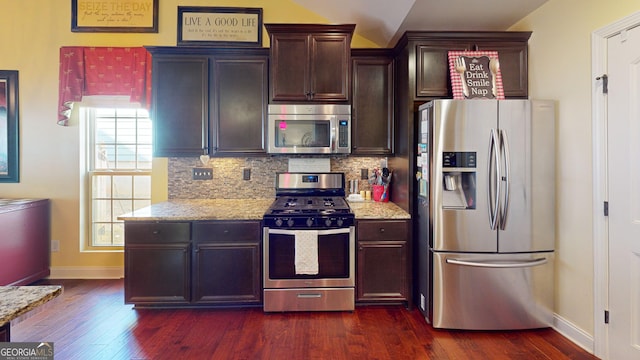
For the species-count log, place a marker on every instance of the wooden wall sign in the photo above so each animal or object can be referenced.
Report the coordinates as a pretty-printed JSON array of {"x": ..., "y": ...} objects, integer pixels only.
[
  {"x": 114, "y": 16},
  {"x": 219, "y": 26},
  {"x": 475, "y": 75}
]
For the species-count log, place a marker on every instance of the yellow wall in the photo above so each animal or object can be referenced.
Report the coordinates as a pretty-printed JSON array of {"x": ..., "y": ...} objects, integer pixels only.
[
  {"x": 560, "y": 69},
  {"x": 33, "y": 32}
]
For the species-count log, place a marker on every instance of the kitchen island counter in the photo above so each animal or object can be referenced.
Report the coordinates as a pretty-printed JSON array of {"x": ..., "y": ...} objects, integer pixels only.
[
  {"x": 17, "y": 300},
  {"x": 244, "y": 209}
]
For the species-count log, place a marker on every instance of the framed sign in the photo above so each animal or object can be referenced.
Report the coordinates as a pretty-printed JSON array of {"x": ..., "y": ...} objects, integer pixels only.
[
  {"x": 9, "y": 157},
  {"x": 219, "y": 26},
  {"x": 114, "y": 16},
  {"x": 475, "y": 75}
]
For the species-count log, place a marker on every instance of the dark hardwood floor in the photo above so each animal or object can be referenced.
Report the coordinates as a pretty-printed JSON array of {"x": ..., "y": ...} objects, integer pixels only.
[{"x": 90, "y": 321}]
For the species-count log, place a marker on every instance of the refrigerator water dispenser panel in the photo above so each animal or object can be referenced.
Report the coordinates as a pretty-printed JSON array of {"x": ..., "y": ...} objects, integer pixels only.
[
  {"x": 459, "y": 159},
  {"x": 459, "y": 180}
]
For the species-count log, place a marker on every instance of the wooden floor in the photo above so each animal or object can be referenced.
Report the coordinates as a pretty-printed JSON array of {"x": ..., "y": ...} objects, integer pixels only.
[{"x": 90, "y": 321}]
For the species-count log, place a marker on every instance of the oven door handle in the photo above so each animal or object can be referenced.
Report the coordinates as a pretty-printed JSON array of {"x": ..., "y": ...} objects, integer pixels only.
[{"x": 320, "y": 232}]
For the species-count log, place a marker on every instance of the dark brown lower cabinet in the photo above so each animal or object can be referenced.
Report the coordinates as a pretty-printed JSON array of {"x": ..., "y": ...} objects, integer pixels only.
[
  {"x": 382, "y": 261},
  {"x": 227, "y": 263},
  {"x": 157, "y": 263},
  {"x": 193, "y": 263}
]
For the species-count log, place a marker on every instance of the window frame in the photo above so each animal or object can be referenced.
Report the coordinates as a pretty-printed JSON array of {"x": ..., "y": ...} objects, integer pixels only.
[{"x": 88, "y": 113}]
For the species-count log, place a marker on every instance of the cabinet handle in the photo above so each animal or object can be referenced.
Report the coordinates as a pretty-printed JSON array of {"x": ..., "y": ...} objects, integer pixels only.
[
  {"x": 226, "y": 231},
  {"x": 381, "y": 230},
  {"x": 156, "y": 232}
]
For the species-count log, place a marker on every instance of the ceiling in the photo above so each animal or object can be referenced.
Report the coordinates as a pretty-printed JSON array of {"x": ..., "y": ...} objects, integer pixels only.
[{"x": 384, "y": 21}]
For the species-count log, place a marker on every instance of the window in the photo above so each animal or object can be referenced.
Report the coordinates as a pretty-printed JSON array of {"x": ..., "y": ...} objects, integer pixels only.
[{"x": 119, "y": 170}]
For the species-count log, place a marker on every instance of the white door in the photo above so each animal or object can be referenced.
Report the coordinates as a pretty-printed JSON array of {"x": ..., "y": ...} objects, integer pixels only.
[{"x": 623, "y": 179}]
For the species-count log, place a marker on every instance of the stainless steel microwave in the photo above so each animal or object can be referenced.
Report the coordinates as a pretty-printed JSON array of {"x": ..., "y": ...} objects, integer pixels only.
[{"x": 309, "y": 129}]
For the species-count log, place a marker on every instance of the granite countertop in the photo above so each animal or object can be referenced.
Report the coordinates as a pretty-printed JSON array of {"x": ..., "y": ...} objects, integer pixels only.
[
  {"x": 201, "y": 209},
  {"x": 17, "y": 300},
  {"x": 369, "y": 209},
  {"x": 244, "y": 209}
]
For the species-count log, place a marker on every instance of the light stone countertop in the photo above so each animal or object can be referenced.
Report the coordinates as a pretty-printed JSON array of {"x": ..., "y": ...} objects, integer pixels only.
[
  {"x": 17, "y": 300},
  {"x": 369, "y": 209},
  {"x": 244, "y": 209}
]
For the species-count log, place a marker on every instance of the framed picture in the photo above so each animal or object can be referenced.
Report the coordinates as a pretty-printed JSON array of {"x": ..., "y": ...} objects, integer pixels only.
[
  {"x": 114, "y": 16},
  {"x": 219, "y": 26},
  {"x": 475, "y": 75},
  {"x": 9, "y": 157}
]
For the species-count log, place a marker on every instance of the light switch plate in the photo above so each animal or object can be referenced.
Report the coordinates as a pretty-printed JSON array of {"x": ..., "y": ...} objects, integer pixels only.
[{"x": 246, "y": 174}]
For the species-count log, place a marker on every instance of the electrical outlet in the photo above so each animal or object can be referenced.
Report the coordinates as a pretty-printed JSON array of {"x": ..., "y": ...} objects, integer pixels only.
[
  {"x": 246, "y": 174},
  {"x": 55, "y": 245},
  {"x": 200, "y": 173},
  {"x": 364, "y": 174}
]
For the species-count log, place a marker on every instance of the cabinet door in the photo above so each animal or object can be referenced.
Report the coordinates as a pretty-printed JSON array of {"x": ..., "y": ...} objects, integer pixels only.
[
  {"x": 432, "y": 68},
  {"x": 227, "y": 262},
  {"x": 157, "y": 274},
  {"x": 180, "y": 110},
  {"x": 329, "y": 63},
  {"x": 383, "y": 266},
  {"x": 289, "y": 67},
  {"x": 227, "y": 272},
  {"x": 239, "y": 101},
  {"x": 372, "y": 114},
  {"x": 513, "y": 66}
]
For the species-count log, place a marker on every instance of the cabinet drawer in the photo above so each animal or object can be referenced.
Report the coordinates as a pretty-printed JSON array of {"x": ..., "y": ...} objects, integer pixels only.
[
  {"x": 157, "y": 232},
  {"x": 382, "y": 230},
  {"x": 226, "y": 231}
]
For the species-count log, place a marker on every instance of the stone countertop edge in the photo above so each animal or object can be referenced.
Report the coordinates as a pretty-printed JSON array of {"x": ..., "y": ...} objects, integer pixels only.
[
  {"x": 17, "y": 300},
  {"x": 244, "y": 209}
]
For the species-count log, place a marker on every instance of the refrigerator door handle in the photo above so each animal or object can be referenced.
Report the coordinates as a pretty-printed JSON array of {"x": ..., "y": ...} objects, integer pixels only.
[
  {"x": 489, "y": 264},
  {"x": 493, "y": 180},
  {"x": 504, "y": 152}
]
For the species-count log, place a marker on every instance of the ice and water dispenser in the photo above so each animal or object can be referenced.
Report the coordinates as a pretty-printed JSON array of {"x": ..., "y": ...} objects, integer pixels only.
[{"x": 459, "y": 180}]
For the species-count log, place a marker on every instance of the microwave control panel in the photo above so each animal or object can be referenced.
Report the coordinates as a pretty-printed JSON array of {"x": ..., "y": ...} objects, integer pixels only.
[{"x": 343, "y": 133}]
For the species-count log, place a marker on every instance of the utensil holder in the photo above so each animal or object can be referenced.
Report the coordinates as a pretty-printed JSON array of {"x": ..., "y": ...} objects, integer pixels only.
[{"x": 379, "y": 194}]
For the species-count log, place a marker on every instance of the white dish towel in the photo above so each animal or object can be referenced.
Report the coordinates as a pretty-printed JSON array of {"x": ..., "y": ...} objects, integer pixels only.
[{"x": 306, "y": 254}]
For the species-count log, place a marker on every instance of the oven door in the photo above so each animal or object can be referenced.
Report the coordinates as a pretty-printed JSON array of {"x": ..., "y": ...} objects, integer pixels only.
[{"x": 336, "y": 259}]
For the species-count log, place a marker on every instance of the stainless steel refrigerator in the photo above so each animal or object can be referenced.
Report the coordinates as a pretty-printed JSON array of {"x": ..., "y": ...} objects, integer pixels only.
[{"x": 485, "y": 179}]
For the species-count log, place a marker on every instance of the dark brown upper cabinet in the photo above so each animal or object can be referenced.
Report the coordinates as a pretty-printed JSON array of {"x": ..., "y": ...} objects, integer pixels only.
[
  {"x": 372, "y": 110},
  {"x": 209, "y": 101},
  {"x": 239, "y": 99},
  {"x": 432, "y": 67},
  {"x": 179, "y": 107},
  {"x": 309, "y": 62}
]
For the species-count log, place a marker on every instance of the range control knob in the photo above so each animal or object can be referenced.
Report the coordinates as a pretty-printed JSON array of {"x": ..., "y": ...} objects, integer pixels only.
[
  {"x": 327, "y": 222},
  {"x": 290, "y": 222},
  {"x": 340, "y": 221},
  {"x": 278, "y": 222},
  {"x": 310, "y": 222}
]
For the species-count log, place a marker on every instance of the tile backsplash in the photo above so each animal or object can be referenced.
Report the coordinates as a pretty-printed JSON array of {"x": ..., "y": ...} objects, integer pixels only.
[{"x": 227, "y": 180}]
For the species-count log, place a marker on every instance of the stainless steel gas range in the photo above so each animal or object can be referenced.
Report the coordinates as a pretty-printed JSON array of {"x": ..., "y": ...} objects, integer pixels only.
[{"x": 309, "y": 245}]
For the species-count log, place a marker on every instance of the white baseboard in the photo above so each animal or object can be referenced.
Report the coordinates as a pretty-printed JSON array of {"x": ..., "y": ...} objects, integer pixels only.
[
  {"x": 87, "y": 272},
  {"x": 573, "y": 333}
]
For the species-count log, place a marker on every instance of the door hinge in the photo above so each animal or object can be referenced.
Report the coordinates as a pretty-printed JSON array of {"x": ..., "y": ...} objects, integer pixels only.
[
  {"x": 606, "y": 316},
  {"x": 606, "y": 208},
  {"x": 605, "y": 83}
]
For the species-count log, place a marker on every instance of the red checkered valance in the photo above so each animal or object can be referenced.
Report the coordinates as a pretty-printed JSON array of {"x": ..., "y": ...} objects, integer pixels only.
[{"x": 102, "y": 71}]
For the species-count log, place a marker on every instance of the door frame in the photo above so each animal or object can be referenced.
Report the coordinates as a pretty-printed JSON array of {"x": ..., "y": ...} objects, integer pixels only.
[{"x": 599, "y": 40}]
